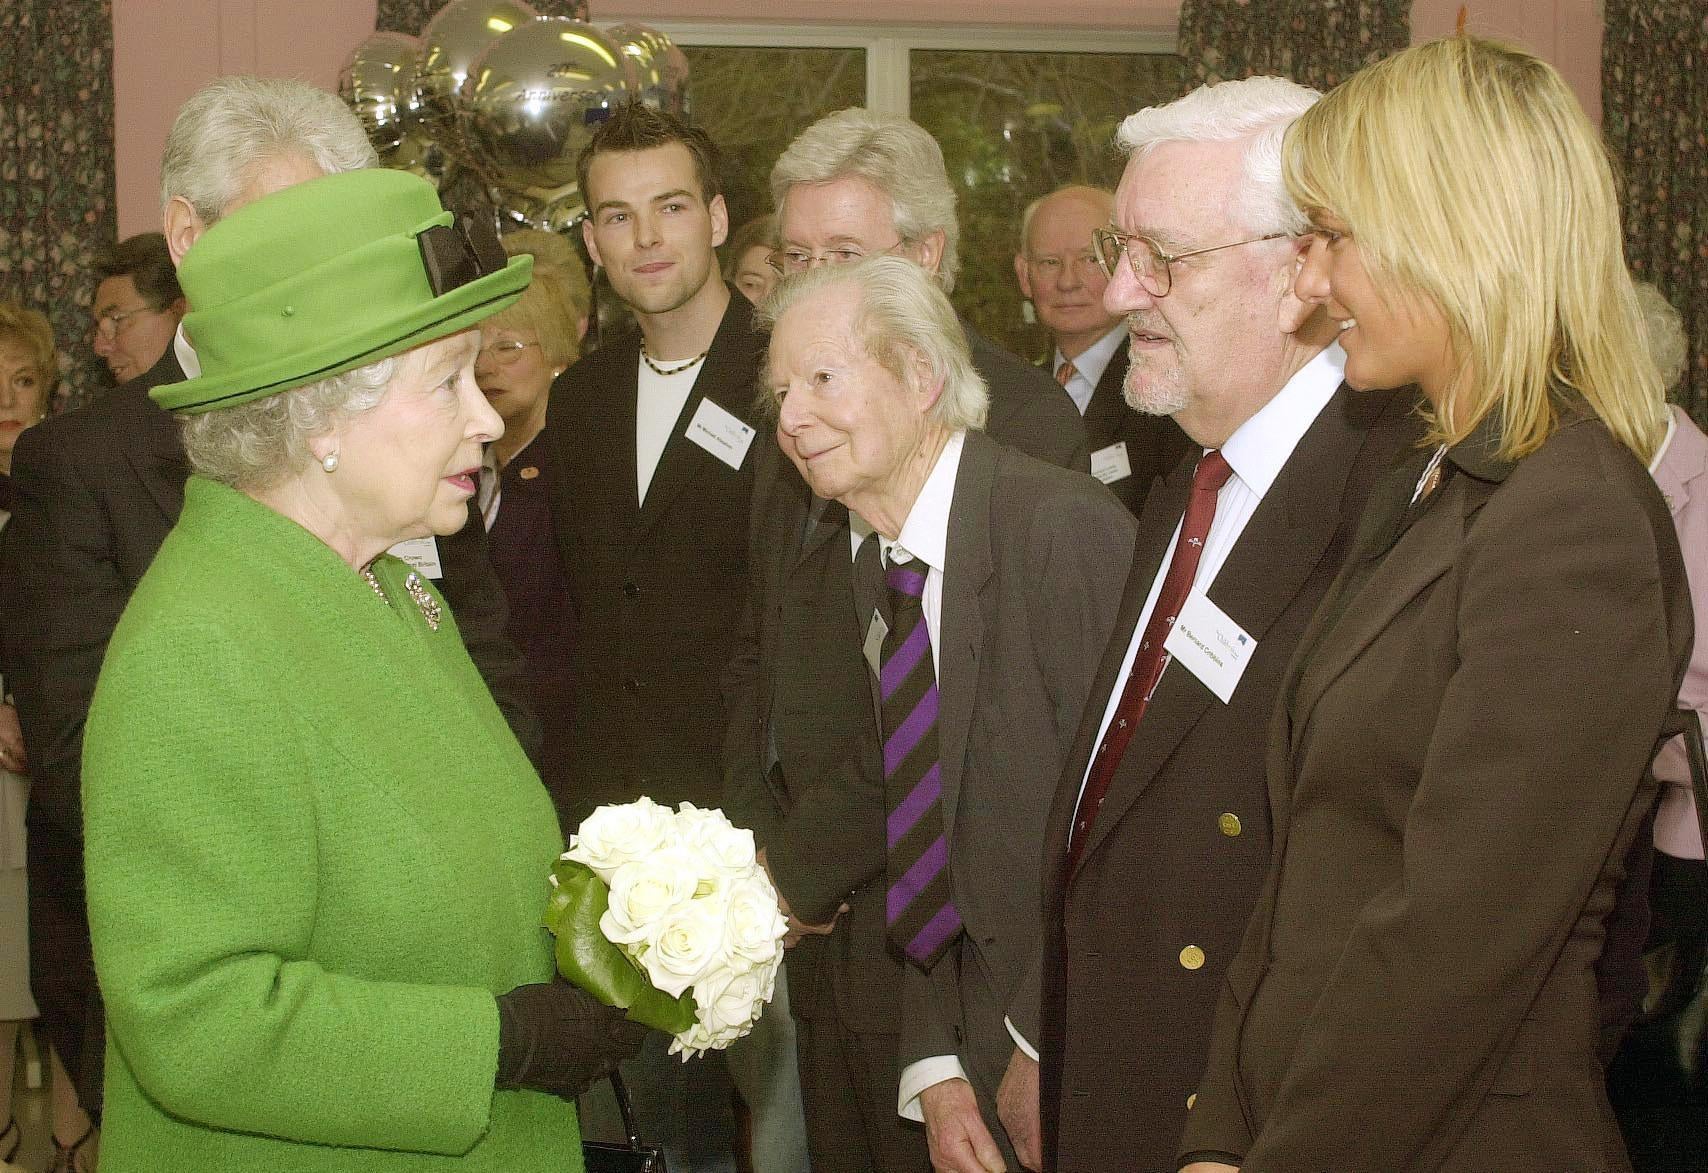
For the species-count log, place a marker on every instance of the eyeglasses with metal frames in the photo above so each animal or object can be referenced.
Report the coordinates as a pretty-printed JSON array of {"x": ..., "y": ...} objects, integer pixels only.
[
  {"x": 787, "y": 261},
  {"x": 110, "y": 325},
  {"x": 1151, "y": 266},
  {"x": 506, "y": 352}
]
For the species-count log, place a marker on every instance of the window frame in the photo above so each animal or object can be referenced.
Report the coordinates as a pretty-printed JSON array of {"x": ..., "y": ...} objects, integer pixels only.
[{"x": 888, "y": 46}]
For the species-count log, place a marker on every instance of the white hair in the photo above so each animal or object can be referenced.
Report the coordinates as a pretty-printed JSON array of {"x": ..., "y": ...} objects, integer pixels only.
[
  {"x": 904, "y": 315},
  {"x": 258, "y": 444},
  {"x": 234, "y": 123},
  {"x": 893, "y": 154},
  {"x": 1256, "y": 108}
]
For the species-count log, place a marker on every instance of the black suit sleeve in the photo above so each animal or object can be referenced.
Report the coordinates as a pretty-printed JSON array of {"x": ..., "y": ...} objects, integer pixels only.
[
  {"x": 477, "y": 599},
  {"x": 63, "y": 596},
  {"x": 748, "y": 800}
]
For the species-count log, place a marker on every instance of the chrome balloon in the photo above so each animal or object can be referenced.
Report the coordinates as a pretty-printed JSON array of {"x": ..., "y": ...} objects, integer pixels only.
[
  {"x": 642, "y": 48},
  {"x": 460, "y": 32},
  {"x": 534, "y": 98},
  {"x": 377, "y": 81}
]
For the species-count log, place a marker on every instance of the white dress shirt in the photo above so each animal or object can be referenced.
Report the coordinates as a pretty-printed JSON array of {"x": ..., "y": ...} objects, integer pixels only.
[
  {"x": 658, "y": 405},
  {"x": 924, "y": 537},
  {"x": 1256, "y": 452},
  {"x": 1088, "y": 368}
]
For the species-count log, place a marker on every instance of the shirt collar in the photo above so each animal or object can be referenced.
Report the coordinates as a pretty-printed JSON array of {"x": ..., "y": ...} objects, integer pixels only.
[
  {"x": 1095, "y": 359},
  {"x": 1262, "y": 445},
  {"x": 186, "y": 354},
  {"x": 925, "y": 533}
]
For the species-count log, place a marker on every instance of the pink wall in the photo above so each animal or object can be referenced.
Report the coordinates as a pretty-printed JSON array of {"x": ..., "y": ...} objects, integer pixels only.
[
  {"x": 163, "y": 50},
  {"x": 1566, "y": 33}
]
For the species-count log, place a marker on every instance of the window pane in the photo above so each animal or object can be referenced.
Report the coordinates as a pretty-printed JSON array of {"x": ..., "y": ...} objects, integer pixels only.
[
  {"x": 753, "y": 102},
  {"x": 1017, "y": 125}
]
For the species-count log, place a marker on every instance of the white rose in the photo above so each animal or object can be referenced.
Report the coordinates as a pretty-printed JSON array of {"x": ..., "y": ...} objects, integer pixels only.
[
  {"x": 756, "y": 924},
  {"x": 615, "y": 835},
  {"x": 698, "y": 1038},
  {"x": 728, "y": 1001},
  {"x": 644, "y": 892},
  {"x": 686, "y": 944},
  {"x": 727, "y": 848}
]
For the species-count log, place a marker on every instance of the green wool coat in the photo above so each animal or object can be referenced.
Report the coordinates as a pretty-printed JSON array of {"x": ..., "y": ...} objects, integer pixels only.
[{"x": 315, "y": 852}]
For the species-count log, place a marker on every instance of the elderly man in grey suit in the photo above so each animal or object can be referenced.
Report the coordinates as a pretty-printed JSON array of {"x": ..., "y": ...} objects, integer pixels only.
[{"x": 987, "y": 584}]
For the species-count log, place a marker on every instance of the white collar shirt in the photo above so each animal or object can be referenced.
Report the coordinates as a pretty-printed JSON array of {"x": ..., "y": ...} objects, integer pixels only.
[{"x": 1088, "y": 368}]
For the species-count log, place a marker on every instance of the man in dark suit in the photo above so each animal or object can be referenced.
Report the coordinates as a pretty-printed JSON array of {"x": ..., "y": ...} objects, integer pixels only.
[
  {"x": 1010, "y": 569},
  {"x": 796, "y": 691},
  {"x": 652, "y": 436},
  {"x": 1157, "y": 846},
  {"x": 1058, "y": 271},
  {"x": 97, "y": 492}
]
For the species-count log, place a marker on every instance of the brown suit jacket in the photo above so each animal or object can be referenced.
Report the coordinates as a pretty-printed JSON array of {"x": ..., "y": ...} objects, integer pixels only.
[
  {"x": 1457, "y": 767},
  {"x": 1180, "y": 848}
]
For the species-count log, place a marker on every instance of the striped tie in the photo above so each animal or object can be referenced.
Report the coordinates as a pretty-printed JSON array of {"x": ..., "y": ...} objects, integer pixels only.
[
  {"x": 920, "y": 910},
  {"x": 1066, "y": 372}
]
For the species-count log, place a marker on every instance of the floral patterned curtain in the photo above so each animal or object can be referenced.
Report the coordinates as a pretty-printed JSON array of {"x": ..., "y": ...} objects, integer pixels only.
[
  {"x": 1654, "y": 114},
  {"x": 1319, "y": 43},
  {"x": 411, "y": 16},
  {"x": 56, "y": 170}
]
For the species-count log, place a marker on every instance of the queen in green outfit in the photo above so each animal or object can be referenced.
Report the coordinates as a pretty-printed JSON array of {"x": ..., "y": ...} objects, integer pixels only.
[{"x": 316, "y": 855}]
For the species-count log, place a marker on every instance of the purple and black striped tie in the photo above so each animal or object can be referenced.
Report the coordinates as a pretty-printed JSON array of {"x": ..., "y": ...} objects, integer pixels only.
[{"x": 920, "y": 909}]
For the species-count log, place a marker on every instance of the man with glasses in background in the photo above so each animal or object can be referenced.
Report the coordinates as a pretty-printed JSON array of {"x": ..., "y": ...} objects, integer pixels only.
[
  {"x": 1058, "y": 270},
  {"x": 1159, "y": 836},
  {"x": 137, "y": 305}
]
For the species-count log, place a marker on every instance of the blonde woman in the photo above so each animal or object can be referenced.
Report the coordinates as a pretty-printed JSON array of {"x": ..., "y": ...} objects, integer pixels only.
[{"x": 1459, "y": 765}]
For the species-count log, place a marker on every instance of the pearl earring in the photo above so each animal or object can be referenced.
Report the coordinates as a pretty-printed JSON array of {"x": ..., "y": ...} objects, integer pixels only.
[{"x": 330, "y": 464}]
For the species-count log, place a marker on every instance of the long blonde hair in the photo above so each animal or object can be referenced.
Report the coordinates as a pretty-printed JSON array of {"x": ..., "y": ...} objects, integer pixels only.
[{"x": 1468, "y": 174}]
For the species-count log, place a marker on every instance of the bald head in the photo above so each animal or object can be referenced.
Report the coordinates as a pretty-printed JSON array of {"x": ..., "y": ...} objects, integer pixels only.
[{"x": 1057, "y": 266}]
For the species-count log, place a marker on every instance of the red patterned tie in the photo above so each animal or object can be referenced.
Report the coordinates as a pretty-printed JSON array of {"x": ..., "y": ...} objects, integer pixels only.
[
  {"x": 1066, "y": 371},
  {"x": 1207, "y": 480}
]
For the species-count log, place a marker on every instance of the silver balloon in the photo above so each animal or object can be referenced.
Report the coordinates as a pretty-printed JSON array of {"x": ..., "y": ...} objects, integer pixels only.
[
  {"x": 377, "y": 81},
  {"x": 459, "y": 33},
  {"x": 556, "y": 212},
  {"x": 420, "y": 153},
  {"x": 534, "y": 98},
  {"x": 660, "y": 68}
]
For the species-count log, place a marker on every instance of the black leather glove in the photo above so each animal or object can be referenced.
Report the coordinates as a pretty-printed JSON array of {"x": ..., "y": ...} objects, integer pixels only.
[{"x": 558, "y": 1038}]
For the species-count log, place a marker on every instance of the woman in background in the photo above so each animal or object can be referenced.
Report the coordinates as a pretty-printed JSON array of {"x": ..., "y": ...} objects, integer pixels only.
[
  {"x": 523, "y": 349},
  {"x": 1459, "y": 764},
  {"x": 746, "y": 266},
  {"x": 28, "y": 369}
]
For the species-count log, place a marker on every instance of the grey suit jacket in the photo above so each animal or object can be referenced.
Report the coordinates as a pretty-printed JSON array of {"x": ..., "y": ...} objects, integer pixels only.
[{"x": 1035, "y": 562}]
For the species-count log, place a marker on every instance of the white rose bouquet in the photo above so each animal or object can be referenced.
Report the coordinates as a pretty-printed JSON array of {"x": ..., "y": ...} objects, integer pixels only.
[{"x": 669, "y": 915}]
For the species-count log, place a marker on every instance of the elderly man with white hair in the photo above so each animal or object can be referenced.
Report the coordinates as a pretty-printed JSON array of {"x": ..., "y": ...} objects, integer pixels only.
[
  {"x": 1158, "y": 840},
  {"x": 985, "y": 586}
]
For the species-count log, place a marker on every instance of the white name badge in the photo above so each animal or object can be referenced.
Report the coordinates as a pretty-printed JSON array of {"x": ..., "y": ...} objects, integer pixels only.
[
  {"x": 1110, "y": 464},
  {"x": 720, "y": 433},
  {"x": 1211, "y": 646},
  {"x": 876, "y": 630},
  {"x": 421, "y": 553}
]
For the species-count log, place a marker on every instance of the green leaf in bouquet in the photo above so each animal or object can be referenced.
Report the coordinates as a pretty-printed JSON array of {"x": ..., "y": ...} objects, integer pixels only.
[{"x": 587, "y": 958}]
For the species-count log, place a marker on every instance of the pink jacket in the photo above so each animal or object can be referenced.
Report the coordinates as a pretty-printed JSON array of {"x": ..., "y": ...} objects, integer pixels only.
[{"x": 1681, "y": 471}]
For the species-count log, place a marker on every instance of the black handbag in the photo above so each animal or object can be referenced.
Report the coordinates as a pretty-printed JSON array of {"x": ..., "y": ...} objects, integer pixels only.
[{"x": 633, "y": 1157}]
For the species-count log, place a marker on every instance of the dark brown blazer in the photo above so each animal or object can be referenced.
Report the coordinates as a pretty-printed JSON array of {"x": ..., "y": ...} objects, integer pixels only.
[
  {"x": 97, "y": 491},
  {"x": 1155, "y": 443},
  {"x": 1179, "y": 850},
  {"x": 657, "y": 589},
  {"x": 1457, "y": 766},
  {"x": 1033, "y": 571}
]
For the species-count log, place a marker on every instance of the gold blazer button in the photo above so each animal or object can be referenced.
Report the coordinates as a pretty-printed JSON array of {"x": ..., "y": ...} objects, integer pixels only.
[
  {"x": 1230, "y": 824},
  {"x": 1192, "y": 957}
]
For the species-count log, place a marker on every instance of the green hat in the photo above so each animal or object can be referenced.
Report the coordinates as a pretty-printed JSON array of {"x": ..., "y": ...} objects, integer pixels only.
[{"x": 329, "y": 275}]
